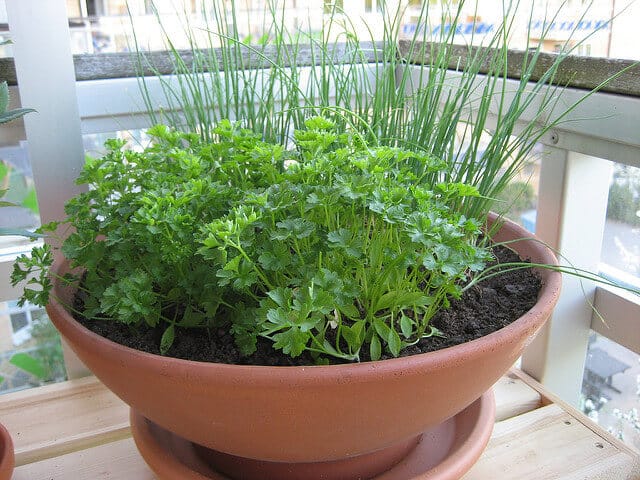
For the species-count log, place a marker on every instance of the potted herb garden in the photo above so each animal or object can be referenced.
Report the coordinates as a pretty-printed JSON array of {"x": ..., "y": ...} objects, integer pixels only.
[
  {"x": 264, "y": 292},
  {"x": 333, "y": 251}
]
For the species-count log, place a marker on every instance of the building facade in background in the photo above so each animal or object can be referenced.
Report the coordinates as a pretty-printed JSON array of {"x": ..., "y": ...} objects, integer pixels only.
[{"x": 603, "y": 28}]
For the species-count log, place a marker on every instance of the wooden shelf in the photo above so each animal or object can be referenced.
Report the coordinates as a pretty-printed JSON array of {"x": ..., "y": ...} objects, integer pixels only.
[{"x": 80, "y": 430}]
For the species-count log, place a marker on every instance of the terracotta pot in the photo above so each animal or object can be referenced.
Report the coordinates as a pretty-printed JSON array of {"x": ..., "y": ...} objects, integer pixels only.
[
  {"x": 7, "y": 459},
  {"x": 316, "y": 413}
]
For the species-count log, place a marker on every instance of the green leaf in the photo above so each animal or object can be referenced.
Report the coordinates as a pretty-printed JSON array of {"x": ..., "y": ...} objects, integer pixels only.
[
  {"x": 276, "y": 259},
  {"x": 278, "y": 316},
  {"x": 167, "y": 339},
  {"x": 321, "y": 301},
  {"x": 132, "y": 299},
  {"x": 31, "y": 201},
  {"x": 224, "y": 277},
  {"x": 394, "y": 342},
  {"x": 457, "y": 189},
  {"x": 244, "y": 340},
  {"x": 350, "y": 336},
  {"x": 174, "y": 294},
  {"x": 328, "y": 348},
  {"x": 233, "y": 264},
  {"x": 375, "y": 348},
  {"x": 11, "y": 115},
  {"x": 298, "y": 227},
  {"x": 281, "y": 296},
  {"x": 358, "y": 328},
  {"x": 354, "y": 335},
  {"x": 292, "y": 341},
  {"x": 350, "y": 310},
  {"x": 429, "y": 261},
  {"x": 191, "y": 318},
  {"x": 406, "y": 326},
  {"x": 433, "y": 332},
  {"x": 5, "y": 168},
  {"x": 400, "y": 299},
  {"x": 20, "y": 232},
  {"x": 340, "y": 237},
  {"x": 382, "y": 328},
  {"x": 29, "y": 364},
  {"x": 308, "y": 322},
  {"x": 344, "y": 240},
  {"x": 386, "y": 301},
  {"x": 414, "y": 299},
  {"x": 247, "y": 276},
  {"x": 319, "y": 123},
  {"x": 4, "y": 96},
  {"x": 245, "y": 329}
]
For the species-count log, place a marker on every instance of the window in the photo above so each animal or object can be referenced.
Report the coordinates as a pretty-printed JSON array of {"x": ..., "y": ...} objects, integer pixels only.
[
  {"x": 27, "y": 330},
  {"x": 21, "y": 319},
  {"x": 620, "y": 256},
  {"x": 333, "y": 5},
  {"x": 611, "y": 388},
  {"x": 18, "y": 321},
  {"x": 584, "y": 50}
]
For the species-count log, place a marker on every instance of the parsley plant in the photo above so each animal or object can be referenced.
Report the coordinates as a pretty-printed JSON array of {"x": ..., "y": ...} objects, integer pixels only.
[{"x": 332, "y": 247}]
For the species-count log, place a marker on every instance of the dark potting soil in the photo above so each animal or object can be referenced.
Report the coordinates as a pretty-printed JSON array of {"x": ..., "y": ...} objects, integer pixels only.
[{"x": 485, "y": 308}]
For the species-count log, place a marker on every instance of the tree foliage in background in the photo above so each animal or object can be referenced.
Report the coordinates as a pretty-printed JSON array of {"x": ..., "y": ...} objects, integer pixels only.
[{"x": 624, "y": 196}]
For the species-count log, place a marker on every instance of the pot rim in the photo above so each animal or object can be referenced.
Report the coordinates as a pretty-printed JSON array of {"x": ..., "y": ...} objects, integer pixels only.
[{"x": 7, "y": 458}]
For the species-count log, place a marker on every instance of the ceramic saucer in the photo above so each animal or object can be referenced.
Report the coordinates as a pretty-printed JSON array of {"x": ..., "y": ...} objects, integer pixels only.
[{"x": 445, "y": 452}]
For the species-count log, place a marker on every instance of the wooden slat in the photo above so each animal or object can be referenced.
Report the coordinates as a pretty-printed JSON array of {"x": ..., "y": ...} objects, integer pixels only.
[
  {"x": 546, "y": 443},
  {"x": 118, "y": 460},
  {"x": 550, "y": 444},
  {"x": 514, "y": 397},
  {"x": 549, "y": 398},
  {"x": 53, "y": 420},
  {"x": 87, "y": 414},
  {"x": 89, "y": 437},
  {"x": 101, "y": 66},
  {"x": 574, "y": 71},
  {"x": 621, "y": 314}
]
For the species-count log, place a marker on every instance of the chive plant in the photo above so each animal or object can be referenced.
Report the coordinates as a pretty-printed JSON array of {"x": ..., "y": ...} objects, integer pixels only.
[{"x": 410, "y": 93}]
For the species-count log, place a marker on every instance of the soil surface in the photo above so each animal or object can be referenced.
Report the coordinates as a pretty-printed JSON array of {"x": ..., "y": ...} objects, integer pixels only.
[{"x": 485, "y": 308}]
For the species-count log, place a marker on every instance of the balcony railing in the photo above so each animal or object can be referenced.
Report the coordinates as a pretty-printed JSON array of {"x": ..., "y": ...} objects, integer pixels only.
[{"x": 102, "y": 95}]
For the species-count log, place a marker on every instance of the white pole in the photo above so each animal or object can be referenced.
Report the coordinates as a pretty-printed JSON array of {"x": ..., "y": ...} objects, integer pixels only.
[
  {"x": 571, "y": 217},
  {"x": 46, "y": 80}
]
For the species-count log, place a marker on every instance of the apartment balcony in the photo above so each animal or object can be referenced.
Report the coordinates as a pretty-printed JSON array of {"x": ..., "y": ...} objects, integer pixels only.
[{"x": 78, "y": 429}]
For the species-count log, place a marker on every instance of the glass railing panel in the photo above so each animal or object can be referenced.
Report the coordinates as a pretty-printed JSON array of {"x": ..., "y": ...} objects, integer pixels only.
[
  {"x": 620, "y": 256},
  {"x": 611, "y": 389},
  {"x": 30, "y": 348}
]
